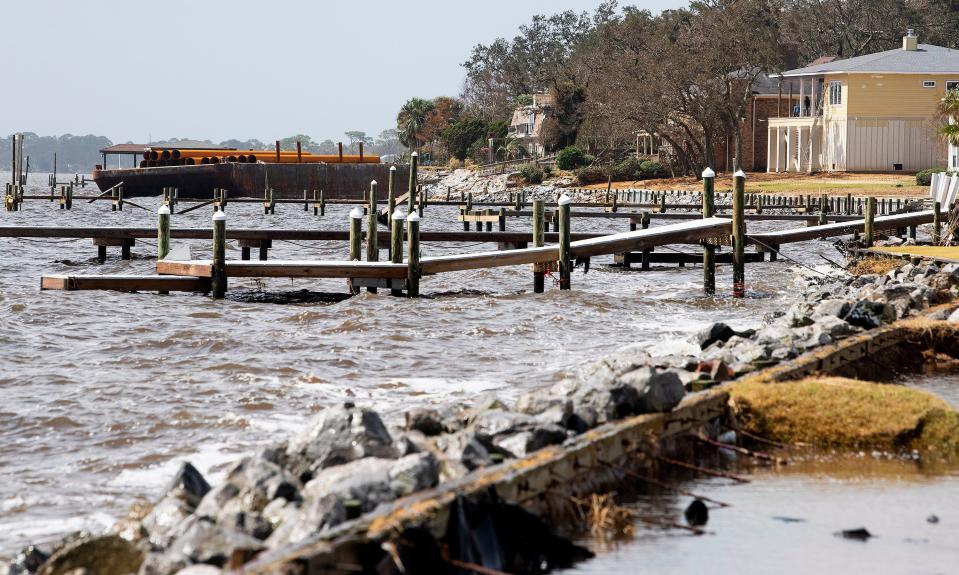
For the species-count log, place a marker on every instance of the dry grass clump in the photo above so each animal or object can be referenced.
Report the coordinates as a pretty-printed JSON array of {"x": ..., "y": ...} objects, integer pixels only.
[
  {"x": 847, "y": 413},
  {"x": 606, "y": 519},
  {"x": 879, "y": 266}
]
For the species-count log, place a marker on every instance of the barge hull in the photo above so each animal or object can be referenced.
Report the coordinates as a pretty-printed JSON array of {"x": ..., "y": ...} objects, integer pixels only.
[{"x": 337, "y": 181}]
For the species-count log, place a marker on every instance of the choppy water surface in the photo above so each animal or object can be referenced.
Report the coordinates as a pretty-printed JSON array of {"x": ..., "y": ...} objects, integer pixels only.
[{"x": 102, "y": 394}]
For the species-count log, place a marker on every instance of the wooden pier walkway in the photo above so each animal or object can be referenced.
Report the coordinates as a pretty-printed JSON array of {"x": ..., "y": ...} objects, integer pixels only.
[{"x": 893, "y": 222}]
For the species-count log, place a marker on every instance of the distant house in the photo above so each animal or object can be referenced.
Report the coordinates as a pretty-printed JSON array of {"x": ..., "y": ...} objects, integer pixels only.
[
  {"x": 527, "y": 123},
  {"x": 873, "y": 113}
]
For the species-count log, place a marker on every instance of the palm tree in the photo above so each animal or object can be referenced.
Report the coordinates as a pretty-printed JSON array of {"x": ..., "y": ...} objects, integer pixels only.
[
  {"x": 410, "y": 120},
  {"x": 949, "y": 110},
  {"x": 512, "y": 148}
]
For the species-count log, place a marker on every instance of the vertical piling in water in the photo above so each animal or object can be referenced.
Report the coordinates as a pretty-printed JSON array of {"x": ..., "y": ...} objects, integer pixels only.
[
  {"x": 322, "y": 204},
  {"x": 163, "y": 232},
  {"x": 413, "y": 259},
  {"x": 411, "y": 189},
  {"x": 421, "y": 200},
  {"x": 644, "y": 259},
  {"x": 316, "y": 208},
  {"x": 565, "y": 265},
  {"x": 306, "y": 202},
  {"x": 502, "y": 219},
  {"x": 539, "y": 230},
  {"x": 219, "y": 255},
  {"x": 390, "y": 195},
  {"x": 870, "y": 222},
  {"x": 739, "y": 234},
  {"x": 372, "y": 235},
  {"x": 70, "y": 197},
  {"x": 936, "y": 223},
  {"x": 709, "y": 250},
  {"x": 396, "y": 242},
  {"x": 356, "y": 234},
  {"x": 272, "y": 202}
]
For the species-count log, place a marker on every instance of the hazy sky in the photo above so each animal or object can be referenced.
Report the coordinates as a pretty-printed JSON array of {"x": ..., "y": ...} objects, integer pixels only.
[{"x": 240, "y": 69}]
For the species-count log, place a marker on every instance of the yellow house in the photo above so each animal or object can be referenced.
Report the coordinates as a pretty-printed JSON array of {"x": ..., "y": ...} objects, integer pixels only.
[{"x": 873, "y": 113}]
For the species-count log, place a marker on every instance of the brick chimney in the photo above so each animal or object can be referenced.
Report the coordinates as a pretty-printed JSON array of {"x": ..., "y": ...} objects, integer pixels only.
[{"x": 909, "y": 42}]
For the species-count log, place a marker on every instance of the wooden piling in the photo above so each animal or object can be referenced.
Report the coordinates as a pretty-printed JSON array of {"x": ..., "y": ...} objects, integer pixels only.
[
  {"x": 413, "y": 258},
  {"x": 163, "y": 232},
  {"x": 870, "y": 221},
  {"x": 411, "y": 189},
  {"x": 219, "y": 255},
  {"x": 539, "y": 231},
  {"x": 709, "y": 250},
  {"x": 739, "y": 235},
  {"x": 565, "y": 265},
  {"x": 396, "y": 242},
  {"x": 356, "y": 234},
  {"x": 390, "y": 195},
  {"x": 644, "y": 260},
  {"x": 306, "y": 201},
  {"x": 322, "y": 204},
  {"x": 372, "y": 249},
  {"x": 936, "y": 223}
]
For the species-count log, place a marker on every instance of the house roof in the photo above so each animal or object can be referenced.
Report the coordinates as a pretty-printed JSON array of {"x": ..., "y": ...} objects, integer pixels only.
[{"x": 926, "y": 59}]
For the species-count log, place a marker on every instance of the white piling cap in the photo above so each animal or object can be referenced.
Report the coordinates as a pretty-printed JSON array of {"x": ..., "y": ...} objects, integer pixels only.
[
  {"x": 219, "y": 216},
  {"x": 392, "y": 168},
  {"x": 740, "y": 174},
  {"x": 564, "y": 200},
  {"x": 373, "y": 182},
  {"x": 356, "y": 214},
  {"x": 399, "y": 214},
  {"x": 414, "y": 217},
  {"x": 163, "y": 211},
  {"x": 414, "y": 155},
  {"x": 709, "y": 173}
]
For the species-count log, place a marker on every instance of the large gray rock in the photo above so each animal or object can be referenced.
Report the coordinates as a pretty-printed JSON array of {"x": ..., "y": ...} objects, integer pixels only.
[
  {"x": 718, "y": 332},
  {"x": 413, "y": 473},
  {"x": 364, "y": 480},
  {"x": 657, "y": 392},
  {"x": 315, "y": 515},
  {"x": 522, "y": 443},
  {"x": 464, "y": 449},
  {"x": 247, "y": 488},
  {"x": 338, "y": 435},
  {"x": 202, "y": 542},
  {"x": 182, "y": 496}
]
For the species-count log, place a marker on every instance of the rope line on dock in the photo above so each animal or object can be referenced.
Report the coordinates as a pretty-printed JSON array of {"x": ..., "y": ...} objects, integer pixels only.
[{"x": 753, "y": 238}]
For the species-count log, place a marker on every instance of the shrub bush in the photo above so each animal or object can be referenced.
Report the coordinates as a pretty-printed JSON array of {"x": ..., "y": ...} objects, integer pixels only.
[
  {"x": 454, "y": 164},
  {"x": 591, "y": 175},
  {"x": 628, "y": 169},
  {"x": 531, "y": 173},
  {"x": 547, "y": 171},
  {"x": 651, "y": 169},
  {"x": 924, "y": 177},
  {"x": 570, "y": 158}
]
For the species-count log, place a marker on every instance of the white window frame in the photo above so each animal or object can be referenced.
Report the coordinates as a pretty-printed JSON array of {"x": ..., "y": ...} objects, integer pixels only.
[
  {"x": 928, "y": 83},
  {"x": 835, "y": 93}
]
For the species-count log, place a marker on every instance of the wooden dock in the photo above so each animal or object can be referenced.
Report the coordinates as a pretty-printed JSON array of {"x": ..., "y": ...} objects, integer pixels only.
[
  {"x": 893, "y": 222},
  {"x": 129, "y": 283}
]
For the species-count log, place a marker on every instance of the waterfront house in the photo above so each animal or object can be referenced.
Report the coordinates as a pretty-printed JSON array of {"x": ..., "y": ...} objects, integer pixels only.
[
  {"x": 527, "y": 123},
  {"x": 872, "y": 113}
]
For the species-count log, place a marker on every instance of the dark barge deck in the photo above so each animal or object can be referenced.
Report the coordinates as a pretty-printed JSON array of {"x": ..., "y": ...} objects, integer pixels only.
[{"x": 338, "y": 181}]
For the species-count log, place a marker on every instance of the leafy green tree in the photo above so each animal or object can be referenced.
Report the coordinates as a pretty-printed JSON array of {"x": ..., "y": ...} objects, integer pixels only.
[
  {"x": 458, "y": 137},
  {"x": 411, "y": 120}
]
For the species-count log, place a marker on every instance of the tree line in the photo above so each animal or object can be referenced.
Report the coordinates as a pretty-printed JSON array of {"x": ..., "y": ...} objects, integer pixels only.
[
  {"x": 78, "y": 154},
  {"x": 685, "y": 74}
]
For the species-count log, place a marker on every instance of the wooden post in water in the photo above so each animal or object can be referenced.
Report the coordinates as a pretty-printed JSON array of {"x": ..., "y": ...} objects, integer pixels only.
[
  {"x": 219, "y": 255},
  {"x": 390, "y": 195},
  {"x": 316, "y": 208},
  {"x": 539, "y": 230},
  {"x": 372, "y": 237},
  {"x": 306, "y": 202},
  {"x": 356, "y": 234},
  {"x": 870, "y": 220},
  {"x": 411, "y": 190},
  {"x": 396, "y": 242},
  {"x": 272, "y": 203},
  {"x": 565, "y": 266},
  {"x": 502, "y": 219},
  {"x": 936, "y": 223},
  {"x": 163, "y": 232},
  {"x": 70, "y": 197},
  {"x": 739, "y": 234},
  {"x": 413, "y": 259},
  {"x": 322, "y": 204},
  {"x": 644, "y": 224},
  {"x": 709, "y": 250},
  {"x": 421, "y": 201}
]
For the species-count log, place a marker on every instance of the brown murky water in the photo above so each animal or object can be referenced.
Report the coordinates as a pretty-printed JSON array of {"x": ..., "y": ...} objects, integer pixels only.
[
  {"x": 787, "y": 519},
  {"x": 103, "y": 394}
]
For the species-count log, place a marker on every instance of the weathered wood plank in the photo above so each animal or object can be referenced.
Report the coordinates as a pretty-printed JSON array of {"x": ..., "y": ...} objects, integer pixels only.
[
  {"x": 841, "y": 228},
  {"x": 124, "y": 283},
  {"x": 284, "y": 269}
]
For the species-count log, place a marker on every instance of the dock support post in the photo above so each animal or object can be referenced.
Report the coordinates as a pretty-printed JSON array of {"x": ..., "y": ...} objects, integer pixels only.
[
  {"x": 539, "y": 224},
  {"x": 936, "y": 223},
  {"x": 739, "y": 234},
  {"x": 322, "y": 204},
  {"x": 709, "y": 251},
  {"x": 390, "y": 195},
  {"x": 316, "y": 208},
  {"x": 411, "y": 190},
  {"x": 101, "y": 254},
  {"x": 356, "y": 233},
  {"x": 272, "y": 203},
  {"x": 306, "y": 203},
  {"x": 120, "y": 197},
  {"x": 396, "y": 242},
  {"x": 163, "y": 232},
  {"x": 219, "y": 255},
  {"x": 644, "y": 224},
  {"x": 565, "y": 266},
  {"x": 502, "y": 219},
  {"x": 372, "y": 249},
  {"x": 413, "y": 259},
  {"x": 870, "y": 218}
]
